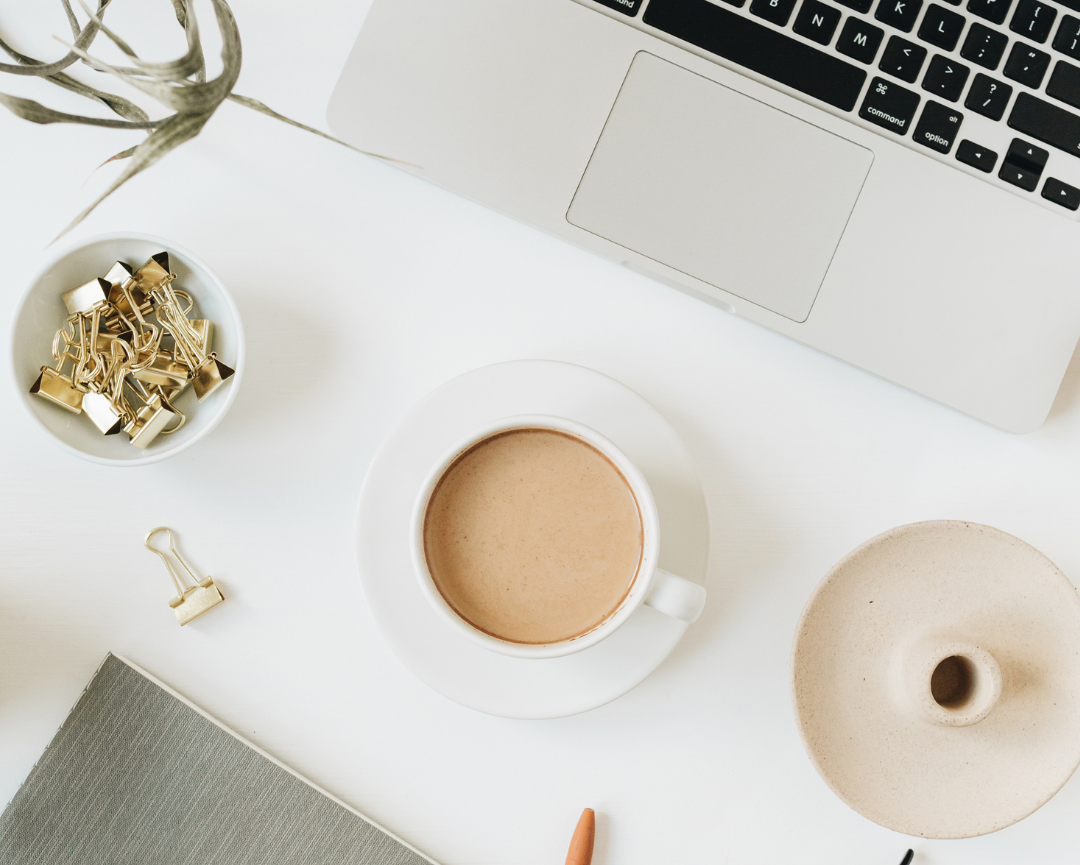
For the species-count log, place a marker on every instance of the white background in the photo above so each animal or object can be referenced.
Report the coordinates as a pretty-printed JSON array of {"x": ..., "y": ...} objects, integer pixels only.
[{"x": 362, "y": 289}]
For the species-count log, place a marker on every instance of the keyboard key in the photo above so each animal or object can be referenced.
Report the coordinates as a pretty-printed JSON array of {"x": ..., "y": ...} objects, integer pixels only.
[
  {"x": 938, "y": 126},
  {"x": 859, "y": 40},
  {"x": 627, "y": 7},
  {"x": 1026, "y": 65},
  {"x": 1067, "y": 40},
  {"x": 1027, "y": 155},
  {"x": 1047, "y": 123},
  {"x": 1017, "y": 175},
  {"x": 889, "y": 106},
  {"x": 988, "y": 97},
  {"x": 1064, "y": 84},
  {"x": 1023, "y": 164},
  {"x": 941, "y": 27},
  {"x": 737, "y": 3},
  {"x": 976, "y": 156},
  {"x": 1061, "y": 193},
  {"x": 816, "y": 21},
  {"x": 945, "y": 78},
  {"x": 900, "y": 14},
  {"x": 903, "y": 59},
  {"x": 760, "y": 49},
  {"x": 1033, "y": 20},
  {"x": 858, "y": 5},
  {"x": 776, "y": 11},
  {"x": 992, "y": 10},
  {"x": 984, "y": 46}
]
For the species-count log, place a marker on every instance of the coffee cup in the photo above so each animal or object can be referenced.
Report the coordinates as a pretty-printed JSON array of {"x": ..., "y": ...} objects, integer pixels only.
[{"x": 499, "y": 522}]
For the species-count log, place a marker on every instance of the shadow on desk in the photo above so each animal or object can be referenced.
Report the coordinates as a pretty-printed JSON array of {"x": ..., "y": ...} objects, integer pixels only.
[
  {"x": 1068, "y": 396},
  {"x": 744, "y": 550}
]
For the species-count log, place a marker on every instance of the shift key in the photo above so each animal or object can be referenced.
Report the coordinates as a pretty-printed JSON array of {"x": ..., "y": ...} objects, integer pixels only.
[
  {"x": 1047, "y": 123},
  {"x": 889, "y": 105}
]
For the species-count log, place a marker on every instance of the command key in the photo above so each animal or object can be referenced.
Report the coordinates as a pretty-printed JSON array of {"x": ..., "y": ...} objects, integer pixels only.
[{"x": 889, "y": 106}]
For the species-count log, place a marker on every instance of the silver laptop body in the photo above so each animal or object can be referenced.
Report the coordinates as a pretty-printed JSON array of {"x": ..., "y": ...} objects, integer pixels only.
[{"x": 814, "y": 167}]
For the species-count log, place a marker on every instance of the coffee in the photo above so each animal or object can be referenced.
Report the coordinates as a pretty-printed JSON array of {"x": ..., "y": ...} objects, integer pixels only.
[{"x": 533, "y": 536}]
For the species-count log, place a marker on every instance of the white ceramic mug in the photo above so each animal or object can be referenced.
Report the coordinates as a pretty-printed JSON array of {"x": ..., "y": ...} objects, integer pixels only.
[{"x": 657, "y": 588}]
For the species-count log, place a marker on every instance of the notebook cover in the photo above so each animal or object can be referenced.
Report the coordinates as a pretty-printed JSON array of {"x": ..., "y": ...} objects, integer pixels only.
[{"x": 139, "y": 776}]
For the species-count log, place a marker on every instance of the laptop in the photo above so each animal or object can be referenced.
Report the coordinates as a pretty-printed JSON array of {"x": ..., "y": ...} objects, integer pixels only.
[{"x": 893, "y": 182}]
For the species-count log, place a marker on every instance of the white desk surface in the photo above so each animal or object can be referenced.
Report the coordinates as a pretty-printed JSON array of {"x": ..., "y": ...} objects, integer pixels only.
[{"x": 362, "y": 289}]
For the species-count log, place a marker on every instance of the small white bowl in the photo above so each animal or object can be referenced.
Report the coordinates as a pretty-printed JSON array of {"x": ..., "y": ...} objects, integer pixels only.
[{"x": 41, "y": 313}]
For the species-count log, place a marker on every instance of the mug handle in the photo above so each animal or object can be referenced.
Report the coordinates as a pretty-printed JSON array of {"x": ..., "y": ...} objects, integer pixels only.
[{"x": 676, "y": 597}]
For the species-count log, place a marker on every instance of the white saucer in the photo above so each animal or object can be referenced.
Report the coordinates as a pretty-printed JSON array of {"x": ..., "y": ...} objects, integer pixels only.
[
  {"x": 453, "y": 666},
  {"x": 896, "y": 767}
]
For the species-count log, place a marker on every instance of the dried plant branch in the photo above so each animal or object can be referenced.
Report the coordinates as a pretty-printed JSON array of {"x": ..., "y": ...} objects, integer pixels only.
[
  {"x": 118, "y": 104},
  {"x": 171, "y": 134},
  {"x": 72, "y": 20},
  {"x": 173, "y": 70},
  {"x": 35, "y": 112},
  {"x": 117, "y": 41},
  {"x": 123, "y": 154},
  {"x": 180, "y": 85},
  {"x": 82, "y": 41},
  {"x": 256, "y": 105},
  {"x": 177, "y": 93},
  {"x": 195, "y": 104}
]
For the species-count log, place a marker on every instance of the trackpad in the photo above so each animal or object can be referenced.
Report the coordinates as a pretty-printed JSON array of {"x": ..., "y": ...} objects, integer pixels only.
[{"x": 720, "y": 186}]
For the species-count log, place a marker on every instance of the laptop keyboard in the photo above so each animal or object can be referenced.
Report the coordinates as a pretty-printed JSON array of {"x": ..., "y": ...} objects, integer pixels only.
[{"x": 982, "y": 87}]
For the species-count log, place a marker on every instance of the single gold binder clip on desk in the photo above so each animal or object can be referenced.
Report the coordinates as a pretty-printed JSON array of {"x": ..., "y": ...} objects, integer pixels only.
[{"x": 194, "y": 600}]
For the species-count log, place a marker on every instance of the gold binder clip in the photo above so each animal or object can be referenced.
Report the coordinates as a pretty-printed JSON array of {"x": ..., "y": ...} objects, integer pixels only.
[
  {"x": 193, "y": 341},
  {"x": 58, "y": 389},
  {"x": 118, "y": 274},
  {"x": 204, "y": 330},
  {"x": 144, "y": 425},
  {"x": 156, "y": 272},
  {"x": 166, "y": 371},
  {"x": 103, "y": 403},
  {"x": 86, "y": 297},
  {"x": 123, "y": 295},
  {"x": 210, "y": 375},
  {"x": 197, "y": 598},
  {"x": 52, "y": 384}
]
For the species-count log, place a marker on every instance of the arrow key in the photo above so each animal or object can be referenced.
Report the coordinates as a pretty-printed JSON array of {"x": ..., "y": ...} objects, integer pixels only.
[
  {"x": 1023, "y": 164},
  {"x": 1027, "y": 156},
  {"x": 1061, "y": 193},
  {"x": 1018, "y": 176},
  {"x": 976, "y": 156}
]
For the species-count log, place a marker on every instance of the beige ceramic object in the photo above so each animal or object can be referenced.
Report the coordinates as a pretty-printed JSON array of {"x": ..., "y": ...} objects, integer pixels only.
[{"x": 936, "y": 679}]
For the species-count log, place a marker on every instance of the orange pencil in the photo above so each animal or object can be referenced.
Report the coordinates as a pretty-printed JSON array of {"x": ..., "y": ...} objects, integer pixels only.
[{"x": 581, "y": 844}]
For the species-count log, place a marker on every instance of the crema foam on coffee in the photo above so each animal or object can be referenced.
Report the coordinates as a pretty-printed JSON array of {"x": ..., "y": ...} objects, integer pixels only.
[{"x": 533, "y": 536}]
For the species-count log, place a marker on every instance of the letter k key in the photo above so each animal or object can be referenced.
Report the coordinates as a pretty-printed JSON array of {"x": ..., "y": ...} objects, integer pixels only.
[{"x": 899, "y": 13}]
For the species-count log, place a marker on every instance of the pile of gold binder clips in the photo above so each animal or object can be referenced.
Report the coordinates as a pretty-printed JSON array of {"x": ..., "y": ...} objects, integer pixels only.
[{"x": 127, "y": 370}]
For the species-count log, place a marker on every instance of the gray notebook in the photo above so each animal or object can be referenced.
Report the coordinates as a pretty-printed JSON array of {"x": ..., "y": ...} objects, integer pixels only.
[{"x": 139, "y": 776}]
